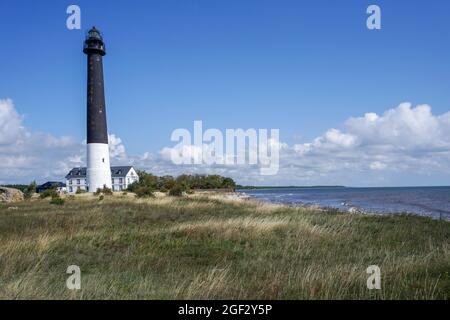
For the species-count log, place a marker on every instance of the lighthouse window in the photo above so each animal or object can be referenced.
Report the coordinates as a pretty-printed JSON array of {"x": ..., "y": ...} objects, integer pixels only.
[{"x": 103, "y": 160}]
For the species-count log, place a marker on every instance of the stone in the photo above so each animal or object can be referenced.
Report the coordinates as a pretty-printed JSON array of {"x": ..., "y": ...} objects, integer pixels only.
[{"x": 10, "y": 195}]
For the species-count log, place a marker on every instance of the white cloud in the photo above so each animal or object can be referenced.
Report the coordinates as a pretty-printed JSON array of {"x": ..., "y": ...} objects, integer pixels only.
[
  {"x": 377, "y": 165},
  {"x": 405, "y": 139},
  {"x": 404, "y": 145},
  {"x": 10, "y": 123},
  {"x": 403, "y": 127},
  {"x": 116, "y": 148},
  {"x": 26, "y": 155}
]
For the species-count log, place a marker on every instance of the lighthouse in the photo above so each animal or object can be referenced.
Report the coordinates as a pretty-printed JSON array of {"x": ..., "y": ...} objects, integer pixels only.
[{"x": 98, "y": 171}]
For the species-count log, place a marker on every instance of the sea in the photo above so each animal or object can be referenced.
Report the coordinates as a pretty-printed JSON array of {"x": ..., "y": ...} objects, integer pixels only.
[{"x": 432, "y": 202}]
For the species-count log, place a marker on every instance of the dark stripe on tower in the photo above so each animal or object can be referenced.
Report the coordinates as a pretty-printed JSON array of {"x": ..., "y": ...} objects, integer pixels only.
[{"x": 97, "y": 131}]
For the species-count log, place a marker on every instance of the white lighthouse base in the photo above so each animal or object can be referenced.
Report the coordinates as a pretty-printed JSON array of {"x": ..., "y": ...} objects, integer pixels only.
[{"x": 98, "y": 168}]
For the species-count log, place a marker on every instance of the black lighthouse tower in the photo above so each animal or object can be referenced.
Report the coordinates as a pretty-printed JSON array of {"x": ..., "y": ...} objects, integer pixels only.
[{"x": 98, "y": 168}]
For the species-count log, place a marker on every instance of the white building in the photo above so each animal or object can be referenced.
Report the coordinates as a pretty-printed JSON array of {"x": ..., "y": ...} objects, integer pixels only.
[{"x": 121, "y": 178}]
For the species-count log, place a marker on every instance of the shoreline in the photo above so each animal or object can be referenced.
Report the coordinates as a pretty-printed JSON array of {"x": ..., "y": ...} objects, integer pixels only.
[{"x": 242, "y": 195}]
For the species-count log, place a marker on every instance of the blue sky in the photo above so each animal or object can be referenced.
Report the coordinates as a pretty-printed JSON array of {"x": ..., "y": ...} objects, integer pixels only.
[{"x": 301, "y": 66}]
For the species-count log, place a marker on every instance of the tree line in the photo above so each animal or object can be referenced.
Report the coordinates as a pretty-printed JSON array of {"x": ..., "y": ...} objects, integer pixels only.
[{"x": 149, "y": 183}]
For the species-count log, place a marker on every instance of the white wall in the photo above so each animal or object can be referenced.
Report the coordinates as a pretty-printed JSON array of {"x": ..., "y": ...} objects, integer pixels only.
[
  {"x": 115, "y": 182},
  {"x": 98, "y": 169},
  {"x": 75, "y": 185}
]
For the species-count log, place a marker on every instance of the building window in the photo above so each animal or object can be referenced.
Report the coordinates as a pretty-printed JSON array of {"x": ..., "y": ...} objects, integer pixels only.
[
  {"x": 120, "y": 180},
  {"x": 78, "y": 181},
  {"x": 70, "y": 181},
  {"x": 70, "y": 189}
]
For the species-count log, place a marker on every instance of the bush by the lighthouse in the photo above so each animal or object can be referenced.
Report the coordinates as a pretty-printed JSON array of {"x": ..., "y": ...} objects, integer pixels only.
[
  {"x": 176, "y": 191},
  {"x": 144, "y": 192},
  {"x": 103, "y": 191},
  {"x": 182, "y": 183}
]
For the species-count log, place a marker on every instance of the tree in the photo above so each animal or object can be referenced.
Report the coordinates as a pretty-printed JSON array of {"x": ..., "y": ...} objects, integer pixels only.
[
  {"x": 167, "y": 182},
  {"x": 228, "y": 183},
  {"x": 184, "y": 182},
  {"x": 144, "y": 192},
  {"x": 176, "y": 191},
  {"x": 30, "y": 190}
]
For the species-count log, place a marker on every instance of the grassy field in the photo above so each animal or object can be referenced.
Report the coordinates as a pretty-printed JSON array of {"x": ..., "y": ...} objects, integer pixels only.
[{"x": 205, "y": 247}]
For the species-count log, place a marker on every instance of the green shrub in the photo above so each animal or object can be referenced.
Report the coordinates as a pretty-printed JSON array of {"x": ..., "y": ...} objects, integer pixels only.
[
  {"x": 80, "y": 191},
  {"x": 176, "y": 191},
  {"x": 101, "y": 198},
  {"x": 187, "y": 182},
  {"x": 103, "y": 191},
  {"x": 107, "y": 191},
  {"x": 144, "y": 192},
  {"x": 48, "y": 193},
  {"x": 30, "y": 190},
  {"x": 57, "y": 200}
]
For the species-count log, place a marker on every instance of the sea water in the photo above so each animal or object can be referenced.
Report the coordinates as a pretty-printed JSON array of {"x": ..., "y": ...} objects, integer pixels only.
[{"x": 426, "y": 201}]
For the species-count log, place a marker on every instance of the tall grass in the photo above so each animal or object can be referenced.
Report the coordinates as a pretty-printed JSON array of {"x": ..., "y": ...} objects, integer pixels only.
[{"x": 207, "y": 247}]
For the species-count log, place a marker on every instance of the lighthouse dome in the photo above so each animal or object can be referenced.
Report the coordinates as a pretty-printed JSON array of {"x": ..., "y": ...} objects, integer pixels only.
[
  {"x": 93, "y": 33},
  {"x": 94, "y": 42}
]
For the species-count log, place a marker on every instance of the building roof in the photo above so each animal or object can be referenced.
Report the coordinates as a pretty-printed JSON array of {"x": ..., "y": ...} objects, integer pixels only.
[
  {"x": 117, "y": 171},
  {"x": 120, "y": 171},
  {"x": 50, "y": 185},
  {"x": 77, "y": 173}
]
